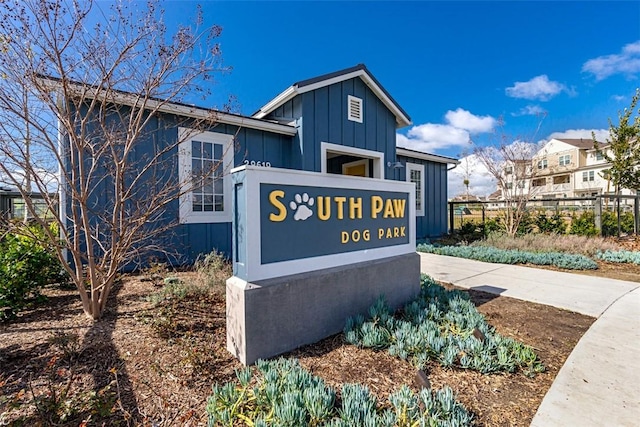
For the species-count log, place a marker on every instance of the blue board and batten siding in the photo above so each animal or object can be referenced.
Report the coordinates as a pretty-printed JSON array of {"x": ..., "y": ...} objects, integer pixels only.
[
  {"x": 434, "y": 221},
  {"x": 251, "y": 145},
  {"x": 324, "y": 119},
  {"x": 316, "y": 116}
]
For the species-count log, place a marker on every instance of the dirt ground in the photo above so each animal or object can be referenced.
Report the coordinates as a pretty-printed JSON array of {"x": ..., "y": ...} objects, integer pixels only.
[{"x": 154, "y": 364}]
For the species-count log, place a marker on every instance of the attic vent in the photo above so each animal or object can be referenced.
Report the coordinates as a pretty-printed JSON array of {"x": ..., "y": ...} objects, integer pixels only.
[{"x": 354, "y": 105}]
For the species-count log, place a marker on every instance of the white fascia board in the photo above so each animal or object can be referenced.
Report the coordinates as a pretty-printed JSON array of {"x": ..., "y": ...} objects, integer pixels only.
[
  {"x": 401, "y": 119},
  {"x": 292, "y": 91},
  {"x": 425, "y": 156},
  {"x": 89, "y": 92},
  {"x": 283, "y": 97}
]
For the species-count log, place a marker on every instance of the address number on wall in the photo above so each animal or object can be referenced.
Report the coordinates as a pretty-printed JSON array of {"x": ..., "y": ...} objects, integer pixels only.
[{"x": 258, "y": 163}]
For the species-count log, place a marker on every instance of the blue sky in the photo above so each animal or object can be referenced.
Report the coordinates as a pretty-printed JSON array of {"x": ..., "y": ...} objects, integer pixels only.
[{"x": 544, "y": 69}]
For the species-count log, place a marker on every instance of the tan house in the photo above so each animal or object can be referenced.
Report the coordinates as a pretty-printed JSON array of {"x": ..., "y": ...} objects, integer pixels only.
[{"x": 566, "y": 168}]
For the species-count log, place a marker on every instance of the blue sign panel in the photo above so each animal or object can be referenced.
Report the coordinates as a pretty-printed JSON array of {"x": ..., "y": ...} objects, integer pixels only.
[{"x": 299, "y": 222}]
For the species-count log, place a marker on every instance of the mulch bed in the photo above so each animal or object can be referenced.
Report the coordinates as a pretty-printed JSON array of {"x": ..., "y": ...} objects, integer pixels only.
[{"x": 146, "y": 364}]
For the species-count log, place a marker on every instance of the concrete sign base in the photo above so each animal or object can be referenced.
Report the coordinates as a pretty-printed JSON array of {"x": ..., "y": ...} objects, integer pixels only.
[{"x": 273, "y": 316}]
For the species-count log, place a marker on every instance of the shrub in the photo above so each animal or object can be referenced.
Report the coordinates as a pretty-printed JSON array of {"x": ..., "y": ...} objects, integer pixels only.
[
  {"x": 572, "y": 244},
  {"x": 281, "y": 393},
  {"x": 554, "y": 224},
  {"x": 526, "y": 224},
  {"x": 630, "y": 257},
  {"x": 213, "y": 270},
  {"x": 443, "y": 326},
  {"x": 470, "y": 232},
  {"x": 610, "y": 223},
  {"x": 502, "y": 256},
  {"x": 493, "y": 225},
  {"x": 26, "y": 265},
  {"x": 583, "y": 225}
]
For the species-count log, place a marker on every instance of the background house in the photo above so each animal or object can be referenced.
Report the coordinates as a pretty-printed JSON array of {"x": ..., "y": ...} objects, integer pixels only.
[
  {"x": 562, "y": 168},
  {"x": 339, "y": 123}
]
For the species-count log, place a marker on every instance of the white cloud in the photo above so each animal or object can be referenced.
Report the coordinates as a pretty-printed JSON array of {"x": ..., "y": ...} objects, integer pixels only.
[
  {"x": 530, "y": 110},
  {"x": 430, "y": 137},
  {"x": 47, "y": 179},
  {"x": 463, "y": 119},
  {"x": 540, "y": 88},
  {"x": 601, "y": 134},
  {"x": 618, "y": 98},
  {"x": 627, "y": 62},
  {"x": 481, "y": 182}
]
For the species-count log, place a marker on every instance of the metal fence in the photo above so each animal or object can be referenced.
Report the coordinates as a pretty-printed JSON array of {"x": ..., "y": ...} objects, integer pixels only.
[{"x": 481, "y": 211}]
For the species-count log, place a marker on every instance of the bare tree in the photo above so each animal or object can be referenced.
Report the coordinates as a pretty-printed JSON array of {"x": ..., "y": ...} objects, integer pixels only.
[
  {"x": 83, "y": 104},
  {"x": 509, "y": 161}
]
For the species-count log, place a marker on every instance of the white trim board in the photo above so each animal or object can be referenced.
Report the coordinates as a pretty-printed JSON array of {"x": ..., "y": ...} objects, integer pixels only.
[{"x": 378, "y": 157}]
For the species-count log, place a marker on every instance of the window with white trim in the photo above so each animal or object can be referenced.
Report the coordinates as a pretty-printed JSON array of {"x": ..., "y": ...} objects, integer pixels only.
[
  {"x": 588, "y": 176},
  {"x": 205, "y": 159},
  {"x": 354, "y": 108},
  {"x": 415, "y": 174},
  {"x": 542, "y": 164},
  {"x": 564, "y": 160}
]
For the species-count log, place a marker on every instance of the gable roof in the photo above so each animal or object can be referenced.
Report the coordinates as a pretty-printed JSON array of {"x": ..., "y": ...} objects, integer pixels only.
[
  {"x": 581, "y": 143},
  {"x": 360, "y": 70},
  {"x": 185, "y": 110}
]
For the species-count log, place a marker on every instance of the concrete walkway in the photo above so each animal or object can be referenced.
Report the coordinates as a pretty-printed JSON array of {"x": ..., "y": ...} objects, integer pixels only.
[{"x": 599, "y": 384}]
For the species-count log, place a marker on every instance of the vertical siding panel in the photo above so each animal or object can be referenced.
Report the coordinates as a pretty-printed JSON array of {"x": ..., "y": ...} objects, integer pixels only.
[
  {"x": 359, "y": 129},
  {"x": 337, "y": 112},
  {"x": 309, "y": 138},
  {"x": 321, "y": 120},
  {"x": 370, "y": 116},
  {"x": 347, "y": 125}
]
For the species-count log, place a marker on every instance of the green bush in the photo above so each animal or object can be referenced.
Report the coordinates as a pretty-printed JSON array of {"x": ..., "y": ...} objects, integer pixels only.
[
  {"x": 507, "y": 256},
  {"x": 583, "y": 225},
  {"x": 554, "y": 224},
  {"x": 281, "y": 393},
  {"x": 526, "y": 224},
  {"x": 610, "y": 223},
  {"x": 493, "y": 225},
  {"x": 443, "y": 326},
  {"x": 26, "y": 265},
  {"x": 470, "y": 232}
]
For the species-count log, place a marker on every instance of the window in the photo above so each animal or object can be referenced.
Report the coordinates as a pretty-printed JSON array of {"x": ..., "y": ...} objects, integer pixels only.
[
  {"x": 354, "y": 108},
  {"x": 599, "y": 156},
  {"x": 509, "y": 185},
  {"x": 564, "y": 160},
  {"x": 415, "y": 174},
  {"x": 508, "y": 170},
  {"x": 520, "y": 184},
  {"x": 588, "y": 176},
  {"x": 205, "y": 159},
  {"x": 542, "y": 164}
]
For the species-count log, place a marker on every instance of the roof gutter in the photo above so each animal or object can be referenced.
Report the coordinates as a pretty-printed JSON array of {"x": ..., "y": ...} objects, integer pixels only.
[{"x": 426, "y": 156}]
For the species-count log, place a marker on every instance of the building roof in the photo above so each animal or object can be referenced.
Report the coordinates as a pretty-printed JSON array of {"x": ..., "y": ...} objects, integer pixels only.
[
  {"x": 582, "y": 143},
  {"x": 360, "y": 70},
  {"x": 425, "y": 156},
  {"x": 185, "y": 110}
]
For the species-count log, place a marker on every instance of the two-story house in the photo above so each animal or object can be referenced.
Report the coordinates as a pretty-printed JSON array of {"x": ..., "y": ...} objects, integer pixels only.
[{"x": 568, "y": 168}]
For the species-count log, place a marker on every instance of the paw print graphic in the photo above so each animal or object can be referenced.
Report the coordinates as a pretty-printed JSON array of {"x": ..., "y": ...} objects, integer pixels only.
[{"x": 301, "y": 206}]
